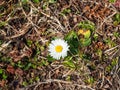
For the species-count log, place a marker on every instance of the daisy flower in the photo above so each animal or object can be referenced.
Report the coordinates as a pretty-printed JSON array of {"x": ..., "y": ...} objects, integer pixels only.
[{"x": 58, "y": 48}]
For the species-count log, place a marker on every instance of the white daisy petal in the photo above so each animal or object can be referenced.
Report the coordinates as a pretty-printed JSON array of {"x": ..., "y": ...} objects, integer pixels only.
[{"x": 58, "y": 48}]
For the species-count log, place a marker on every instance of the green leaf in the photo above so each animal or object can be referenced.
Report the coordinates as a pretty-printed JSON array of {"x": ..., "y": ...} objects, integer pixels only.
[
  {"x": 37, "y": 78},
  {"x": 1, "y": 42},
  {"x": 70, "y": 35},
  {"x": 99, "y": 53},
  {"x": 116, "y": 19},
  {"x": 50, "y": 59},
  {"x": 27, "y": 66},
  {"x": 117, "y": 16},
  {"x": 29, "y": 42},
  {"x": 1, "y": 71},
  {"x": 114, "y": 62},
  {"x": 115, "y": 23},
  {"x": 24, "y": 83},
  {"x": 73, "y": 42},
  {"x": 91, "y": 80},
  {"x": 45, "y": 63},
  {"x": 4, "y": 76},
  {"x": 116, "y": 34},
  {"x": 34, "y": 66},
  {"x": 2, "y": 24},
  {"x": 87, "y": 25},
  {"x": 24, "y": 1},
  {"x": 87, "y": 34},
  {"x": 86, "y": 56},
  {"x": 36, "y": 1},
  {"x": 108, "y": 68},
  {"x": 74, "y": 48},
  {"x": 69, "y": 64},
  {"x": 65, "y": 11},
  {"x": 85, "y": 42},
  {"x": 68, "y": 78},
  {"x": 20, "y": 65},
  {"x": 112, "y": 1},
  {"x": 95, "y": 36},
  {"x": 52, "y": 1}
]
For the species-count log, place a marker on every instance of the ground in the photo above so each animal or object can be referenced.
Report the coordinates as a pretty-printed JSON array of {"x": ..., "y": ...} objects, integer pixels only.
[{"x": 91, "y": 29}]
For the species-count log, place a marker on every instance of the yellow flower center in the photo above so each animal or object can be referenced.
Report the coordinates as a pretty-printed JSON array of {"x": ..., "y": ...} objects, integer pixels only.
[
  {"x": 80, "y": 32},
  {"x": 58, "y": 48}
]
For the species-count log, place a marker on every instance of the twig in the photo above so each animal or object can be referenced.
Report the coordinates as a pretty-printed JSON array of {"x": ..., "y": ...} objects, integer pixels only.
[
  {"x": 104, "y": 22},
  {"x": 58, "y": 81},
  {"x": 4, "y": 45},
  {"x": 23, "y": 31},
  {"x": 111, "y": 49},
  {"x": 83, "y": 86},
  {"x": 46, "y": 82},
  {"x": 112, "y": 52}
]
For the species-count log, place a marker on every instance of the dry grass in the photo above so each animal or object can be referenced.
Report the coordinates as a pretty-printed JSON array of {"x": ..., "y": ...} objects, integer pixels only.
[{"x": 26, "y": 29}]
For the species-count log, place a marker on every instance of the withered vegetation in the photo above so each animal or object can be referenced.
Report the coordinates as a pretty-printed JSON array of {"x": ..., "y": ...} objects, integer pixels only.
[{"x": 28, "y": 26}]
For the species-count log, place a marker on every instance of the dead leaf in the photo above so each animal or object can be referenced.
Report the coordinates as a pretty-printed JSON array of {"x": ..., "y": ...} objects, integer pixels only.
[
  {"x": 27, "y": 52},
  {"x": 117, "y": 4},
  {"x": 14, "y": 54},
  {"x": 87, "y": 8},
  {"x": 100, "y": 45},
  {"x": 19, "y": 72},
  {"x": 2, "y": 83},
  {"x": 10, "y": 69}
]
